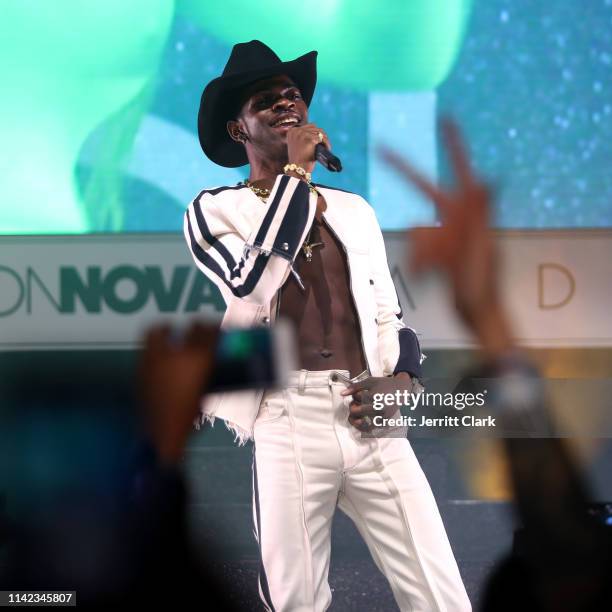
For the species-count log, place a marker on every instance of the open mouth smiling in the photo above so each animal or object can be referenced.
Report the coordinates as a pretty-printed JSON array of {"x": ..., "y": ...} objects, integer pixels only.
[{"x": 286, "y": 121}]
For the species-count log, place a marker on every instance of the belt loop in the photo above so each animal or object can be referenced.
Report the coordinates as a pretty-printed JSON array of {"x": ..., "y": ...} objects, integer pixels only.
[{"x": 302, "y": 382}]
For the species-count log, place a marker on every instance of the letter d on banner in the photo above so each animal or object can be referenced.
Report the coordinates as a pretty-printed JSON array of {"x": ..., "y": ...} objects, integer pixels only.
[{"x": 556, "y": 274}]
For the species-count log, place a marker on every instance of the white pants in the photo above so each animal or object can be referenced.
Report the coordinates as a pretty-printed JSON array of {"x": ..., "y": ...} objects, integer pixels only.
[{"x": 308, "y": 459}]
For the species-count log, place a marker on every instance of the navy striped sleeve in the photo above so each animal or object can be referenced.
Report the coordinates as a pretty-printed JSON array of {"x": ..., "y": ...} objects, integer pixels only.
[
  {"x": 238, "y": 265},
  {"x": 285, "y": 240},
  {"x": 240, "y": 285}
]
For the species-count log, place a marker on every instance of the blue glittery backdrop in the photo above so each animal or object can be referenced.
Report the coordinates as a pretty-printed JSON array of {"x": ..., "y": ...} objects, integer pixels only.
[{"x": 531, "y": 87}]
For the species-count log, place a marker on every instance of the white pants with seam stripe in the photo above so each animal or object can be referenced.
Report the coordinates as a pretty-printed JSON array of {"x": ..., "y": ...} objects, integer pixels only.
[{"x": 308, "y": 459}]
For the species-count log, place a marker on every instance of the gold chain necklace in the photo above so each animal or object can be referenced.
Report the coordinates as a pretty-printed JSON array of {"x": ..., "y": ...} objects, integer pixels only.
[
  {"x": 264, "y": 194},
  {"x": 261, "y": 193}
]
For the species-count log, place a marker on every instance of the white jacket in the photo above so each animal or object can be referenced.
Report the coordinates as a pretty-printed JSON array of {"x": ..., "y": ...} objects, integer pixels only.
[{"x": 247, "y": 249}]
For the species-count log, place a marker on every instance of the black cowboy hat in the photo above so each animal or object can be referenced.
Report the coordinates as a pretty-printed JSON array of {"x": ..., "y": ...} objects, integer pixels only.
[{"x": 248, "y": 62}]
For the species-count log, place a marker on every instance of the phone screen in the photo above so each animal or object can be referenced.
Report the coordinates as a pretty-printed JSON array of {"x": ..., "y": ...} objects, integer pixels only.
[{"x": 244, "y": 360}]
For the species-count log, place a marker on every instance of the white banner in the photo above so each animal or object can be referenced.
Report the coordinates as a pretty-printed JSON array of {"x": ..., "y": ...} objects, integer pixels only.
[
  {"x": 557, "y": 286},
  {"x": 101, "y": 291}
]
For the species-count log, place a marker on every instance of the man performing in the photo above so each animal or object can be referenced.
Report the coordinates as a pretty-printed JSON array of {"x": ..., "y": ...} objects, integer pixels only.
[{"x": 278, "y": 245}]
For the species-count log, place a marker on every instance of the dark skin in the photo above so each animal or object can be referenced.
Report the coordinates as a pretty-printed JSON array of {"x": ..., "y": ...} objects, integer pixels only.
[
  {"x": 270, "y": 148},
  {"x": 324, "y": 314}
]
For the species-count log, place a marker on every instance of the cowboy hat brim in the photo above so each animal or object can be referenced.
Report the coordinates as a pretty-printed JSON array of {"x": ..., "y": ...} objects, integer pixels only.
[{"x": 219, "y": 99}]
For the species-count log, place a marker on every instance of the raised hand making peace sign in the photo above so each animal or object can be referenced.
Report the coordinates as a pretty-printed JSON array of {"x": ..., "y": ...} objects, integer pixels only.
[{"x": 462, "y": 248}]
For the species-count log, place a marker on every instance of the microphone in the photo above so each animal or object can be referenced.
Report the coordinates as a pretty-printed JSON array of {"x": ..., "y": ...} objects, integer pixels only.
[{"x": 326, "y": 158}]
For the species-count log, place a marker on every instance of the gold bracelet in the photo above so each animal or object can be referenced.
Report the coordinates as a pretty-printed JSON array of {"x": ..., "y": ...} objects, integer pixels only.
[
  {"x": 307, "y": 176},
  {"x": 299, "y": 170}
]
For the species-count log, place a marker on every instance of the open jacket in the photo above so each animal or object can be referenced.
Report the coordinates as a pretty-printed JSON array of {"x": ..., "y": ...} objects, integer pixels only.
[{"x": 247, "y": 248}]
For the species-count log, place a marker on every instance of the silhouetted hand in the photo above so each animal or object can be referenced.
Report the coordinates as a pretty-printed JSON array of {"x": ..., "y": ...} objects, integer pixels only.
[
  {"x": 173, "y": 375},
  {"x": 462, "y": 248}
]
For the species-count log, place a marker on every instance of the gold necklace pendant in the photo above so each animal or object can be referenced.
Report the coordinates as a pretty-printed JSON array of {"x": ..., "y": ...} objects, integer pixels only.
[
  {"x": 308, "y": 252},
  {"x": 307, "y": 248}
]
